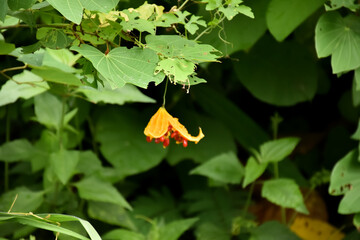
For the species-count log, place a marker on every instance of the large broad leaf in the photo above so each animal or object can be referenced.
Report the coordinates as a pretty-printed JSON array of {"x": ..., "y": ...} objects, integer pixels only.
[
  {"x": 15, "y": 5},
  {"x": 208, "y": 147},
  {"x": 3, "y": 9},
  {"x": 273, "y": 230},
  {"x": 6, "y": 48},
  {"x": 24, "y": 85},
  {"x": 253, "y": 170},
  {"x": 127, "y": 93},
  {"x": 72, "y": 9},
  {"x": 64, "y": 163},
  {"x": 340, "y": 38},
  {"x": 26, "y": 201},
  {"x": 17, "y": 150},
  {"x": 122, "y": 65},
  {"x": 97, "y": 190},
  {"x": 243, "y": 128},
  {"x": 123, "y": 143},
  {"x": 345, "y": 174},
  {"x": 225, "y": 168},
  {"x": 277, "y": 150},
  {"x": 284, "y": 192},
  {"x": 174, "y": 46},
  {"x": 280, "y": 74},
  {"x": 241, "y": 32},
  {"x": 284, "y": 16},
  {"x": 56, "y": 75}
]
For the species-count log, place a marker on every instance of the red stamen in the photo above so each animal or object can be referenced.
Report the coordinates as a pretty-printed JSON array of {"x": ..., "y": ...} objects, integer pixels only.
[
  {"x": 174, "y": 134},
  {"x": 166, "y": 142},
  {"x": 185, "y": 143},
  {"x": 162, "y": 138},
  {"x": 157, "y": 140},
  {"x": 148, "y": 139}
]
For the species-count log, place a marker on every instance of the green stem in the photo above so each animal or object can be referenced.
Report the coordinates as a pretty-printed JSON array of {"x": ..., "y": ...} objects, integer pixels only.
[
  {"x": 7, "y": 136},
  {"x": 61, "y": 123},
  {"x": 92, "y": 131},
  {"x": 208, "y": 29},
  {"x": 248, "y": 199},
  {"x": 164, "y": 96}
]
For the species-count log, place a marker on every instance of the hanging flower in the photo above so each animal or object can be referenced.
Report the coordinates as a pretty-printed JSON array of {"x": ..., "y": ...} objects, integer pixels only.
[{"x": 162, "y": 126}]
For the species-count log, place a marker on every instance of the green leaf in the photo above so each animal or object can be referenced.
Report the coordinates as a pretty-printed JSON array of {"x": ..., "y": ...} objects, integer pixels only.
[
  {"x": 210, "y": 231},
  {"x": 251, "y": 30},
  {"x": 3, "y": 9},
  {"x": 277, "y": 150},
  {"x": 64, "y": 163},
  {"x": 280, "y": 74},
  {"x": 336, "y": 4},
  {"x": 30, "y": 220},
  {"x": 253, "y": 170},
  {"x": 48, "y": 109},
  {"x": 32, "y": 59},
  {"x": 244, "y": 129},
  {"x": 345, "y": 174},
  {"x": 192, "y": 24},
  {"x": 273, "y": 230},
  {"x": 105, "y": 94},
  {"x": 123, "y": 234},
  {"x": 17, "y": 150},
  {"x": 56, "y": 75},
  {"x": 53, "y": 38},
  {"x": 175, "y": 229},
  {"x": 233, "y": 8},
  {"x": 15, "y": 5},
  {"x": 24, "y": 85},
  {"x": 208, "y": 147},
  {"x": 110, "y": 213},
  {"x": 284, "y": 16},
  {"x": 26, "y": 201},
  {"x": 122, "y": 65},
  {"x": 6, "y": 48},
  {"x": 177, "y": 70},
  {"x": 349, "y": 204},
  {"x": 72, "y": 10},
  {"x": 89, "y": 163},
  {"x": 225, "y": 168},
  {"x": 356, "y": 220},
  {"x": 123, "y": 143},
  {"x": 174, "y": 46},
  {"x": 284, "y": 192},
  {"x": 133, "y": 21},
  {"x": 97, "y": 190},
  {"x": 340, "y": 38}
]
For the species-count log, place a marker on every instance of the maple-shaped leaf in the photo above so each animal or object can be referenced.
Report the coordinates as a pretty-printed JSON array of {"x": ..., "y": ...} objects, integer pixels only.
[
  {"x": 174, "y": 46},
  {"x": 233, "y": 8},
  {"x": 212, "y": 4},
  {"x": 122, "y": 65},
  {"x": 131, "y": 20},
  {"x": 178, "y": 70}
]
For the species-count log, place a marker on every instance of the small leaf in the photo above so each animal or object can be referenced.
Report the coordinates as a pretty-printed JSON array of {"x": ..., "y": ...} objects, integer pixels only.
[
  {"x": 131, "y": 20},
  {"x": 349, "y": 204},
  {"x": 64, "y": 164},
  {"x": 6, "y": 48},
  {"x": 177, "y": 70},
  {"x": 340, "y": 38},
  {"x": 27, "y": 200},
  {"x": 123, "y": 234},
  {"x": 122, "y": 65},
  {"x": 284, "y": 192},
  {"x": 89, "y": 163},
  {"x": 24, "y": 85},
  {"x": 356, "y": 220},
  {"x": 56, "y": 75},
  {"x": 273, "y": 230},
  {"x": 3, "y": 9},
  {"x": 277, "y": 150},
  {"x": 48, "y": 109},
  {"x": 53, "y": 38},
  {"x": 17, "y": 150},
  {"x": 15, "y": 5},
  {"x": 175, "y": 229},
  {"x": 284, "y": 16},
  {"x": 253, "y": 170},
  {"x": 97, "y": 190},
  {"x": 225, "y": 168}
]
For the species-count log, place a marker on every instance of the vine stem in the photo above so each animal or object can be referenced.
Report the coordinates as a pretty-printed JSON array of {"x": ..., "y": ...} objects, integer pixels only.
[
  {"x": 183, "y": 5},
  {"x": 208, "y": 29},
  {"x": 164, "y": 96},
  {"x": 61, "y": 123}
]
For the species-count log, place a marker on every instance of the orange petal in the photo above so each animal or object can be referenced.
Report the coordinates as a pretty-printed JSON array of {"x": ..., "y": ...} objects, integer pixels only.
[
  {"x": 158, "y": 124},
  {"x": 183, "y": 131}
]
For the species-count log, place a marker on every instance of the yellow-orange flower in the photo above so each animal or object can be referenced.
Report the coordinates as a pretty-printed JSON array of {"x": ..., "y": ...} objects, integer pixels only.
[{"x": 162, "y": 126}]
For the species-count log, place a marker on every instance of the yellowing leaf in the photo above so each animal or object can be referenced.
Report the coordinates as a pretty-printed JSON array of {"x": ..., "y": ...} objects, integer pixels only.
[
  {"x": 309, "y": 229},
  {"x": 178, "y": 70}
]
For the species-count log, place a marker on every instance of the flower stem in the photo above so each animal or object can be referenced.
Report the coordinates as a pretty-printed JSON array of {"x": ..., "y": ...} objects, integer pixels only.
[{"x": 164, "y": 96}]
